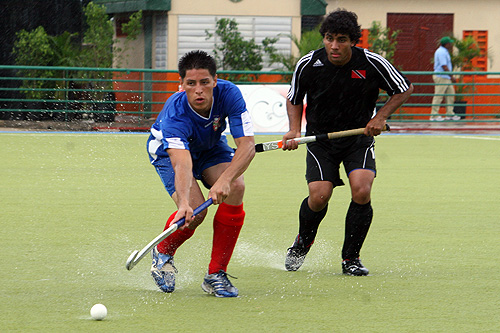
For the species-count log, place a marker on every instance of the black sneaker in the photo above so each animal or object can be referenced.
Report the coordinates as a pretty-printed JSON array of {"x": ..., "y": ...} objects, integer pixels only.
[
  {"x": 354, "y": 267},
  {"x": 296, "y": 254}
]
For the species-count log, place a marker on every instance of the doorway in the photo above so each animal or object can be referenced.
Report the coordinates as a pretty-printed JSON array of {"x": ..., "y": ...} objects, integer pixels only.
[{"x": 417, "y": 42}]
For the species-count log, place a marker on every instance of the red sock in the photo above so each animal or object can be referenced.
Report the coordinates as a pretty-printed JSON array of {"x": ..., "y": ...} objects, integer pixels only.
[
  {"x": 170, "y": 244},
  {"x": 228, "y": 221}
]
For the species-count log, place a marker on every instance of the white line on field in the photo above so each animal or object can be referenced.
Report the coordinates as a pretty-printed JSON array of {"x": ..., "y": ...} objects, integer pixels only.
[
  {"x": 477, "y": 138},
  {"x": 70, "y": 133}
]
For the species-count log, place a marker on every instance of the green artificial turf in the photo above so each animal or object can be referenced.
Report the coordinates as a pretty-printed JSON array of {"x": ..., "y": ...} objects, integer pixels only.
[{"x": 74, "y": 206}]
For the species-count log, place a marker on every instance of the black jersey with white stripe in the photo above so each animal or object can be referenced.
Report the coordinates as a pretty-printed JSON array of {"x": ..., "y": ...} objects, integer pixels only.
[{"x": 342, "y": 97}]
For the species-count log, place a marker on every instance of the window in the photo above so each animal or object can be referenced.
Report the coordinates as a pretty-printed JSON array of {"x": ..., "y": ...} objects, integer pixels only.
[
  {"x": 192, "y": 34},
  {"x": 161, "y": 41}
]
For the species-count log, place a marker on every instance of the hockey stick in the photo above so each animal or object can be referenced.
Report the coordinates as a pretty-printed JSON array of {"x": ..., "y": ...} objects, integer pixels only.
[
  {"x": 136, "y": 256},
  {"x": 273, "y": 145}
]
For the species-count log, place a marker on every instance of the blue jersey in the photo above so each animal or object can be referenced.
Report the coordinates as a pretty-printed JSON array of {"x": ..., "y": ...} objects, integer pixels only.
[{"x": 179, "y": 126}]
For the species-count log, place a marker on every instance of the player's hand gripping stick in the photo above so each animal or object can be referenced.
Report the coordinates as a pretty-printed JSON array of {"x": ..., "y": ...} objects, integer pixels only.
[{"x": 273, "y": 145}]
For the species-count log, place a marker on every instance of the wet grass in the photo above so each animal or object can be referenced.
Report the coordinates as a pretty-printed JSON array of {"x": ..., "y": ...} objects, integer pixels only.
[{"x": 75, "y": 205}]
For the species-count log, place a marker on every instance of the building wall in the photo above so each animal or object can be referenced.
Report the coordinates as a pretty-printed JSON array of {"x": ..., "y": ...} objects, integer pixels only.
[
  {"x": 244, "y": 7},
  {"x": 284, "y": 8},
  {"x": 132, "y": 55},
  {"x": 468, "y": 15},
  {"x": 218, "y": 8}
]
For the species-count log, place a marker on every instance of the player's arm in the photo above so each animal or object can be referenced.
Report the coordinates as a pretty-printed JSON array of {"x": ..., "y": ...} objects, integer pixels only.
[
  {"x": 396, "y": 85},
  {"x": 242, "y": 157},
  {"x": 377, "y": 123},
  {"x": 183, "y": 168},
  {"x": 295, "y": 122},
  {"x": 294, "y": 102}
]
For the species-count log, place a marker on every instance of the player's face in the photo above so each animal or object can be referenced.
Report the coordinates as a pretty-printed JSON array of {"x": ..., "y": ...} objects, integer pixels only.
[
  {"x": 199, "y": 86},
  {"x": 338, "y": 48}
]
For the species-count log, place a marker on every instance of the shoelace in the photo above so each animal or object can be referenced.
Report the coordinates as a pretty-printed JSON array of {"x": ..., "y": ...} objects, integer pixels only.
[
  {"x": 224, "y": 281},
  {"x": 298, "y": 250},
  {"x": 221, "y": 272},
  {"x": 353, "y": 262}
]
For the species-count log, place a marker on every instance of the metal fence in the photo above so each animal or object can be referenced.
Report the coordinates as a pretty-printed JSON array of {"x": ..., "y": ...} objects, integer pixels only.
[{"x": 114, "y": 95}]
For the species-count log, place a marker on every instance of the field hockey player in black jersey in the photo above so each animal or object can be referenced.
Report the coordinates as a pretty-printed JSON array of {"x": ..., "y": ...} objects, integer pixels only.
[{"x": 340, "y": 84}]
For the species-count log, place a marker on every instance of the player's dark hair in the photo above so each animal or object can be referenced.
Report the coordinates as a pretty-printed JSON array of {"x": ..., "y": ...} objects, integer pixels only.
[
  {"x": 197, "y": 60},
  {"x": 342, "y": 21}
]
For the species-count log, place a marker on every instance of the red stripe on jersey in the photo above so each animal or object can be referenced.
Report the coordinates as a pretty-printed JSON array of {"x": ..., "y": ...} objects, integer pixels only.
[{"x": 358, "y": 74}]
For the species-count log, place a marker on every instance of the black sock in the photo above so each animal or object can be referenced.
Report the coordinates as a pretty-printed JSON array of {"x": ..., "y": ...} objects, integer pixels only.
[
  {"x": 357, "y": 223},
  {"x": 309, "y": 222}
]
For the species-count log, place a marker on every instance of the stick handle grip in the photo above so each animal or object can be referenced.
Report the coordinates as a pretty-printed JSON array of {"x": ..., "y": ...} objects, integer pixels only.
[
  {"x": 196, "y": 211},
  {"x": 352, "y": 132},
  {"x": 341, "y": 134},
  {"x": 273, "y": 145}
]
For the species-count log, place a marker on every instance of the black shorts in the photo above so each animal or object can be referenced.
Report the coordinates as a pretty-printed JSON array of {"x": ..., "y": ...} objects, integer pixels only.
[{"x": 324, "y": 158}]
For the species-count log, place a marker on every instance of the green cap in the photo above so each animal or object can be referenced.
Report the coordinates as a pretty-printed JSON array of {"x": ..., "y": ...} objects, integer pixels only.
[{"x": 446, "y": 40}]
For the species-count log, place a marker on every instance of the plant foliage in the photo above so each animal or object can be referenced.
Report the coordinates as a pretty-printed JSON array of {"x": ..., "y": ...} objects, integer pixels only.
[
  {"x": 233, "y": 52},
  {"x": 96, "y": 49},
  {"x": 382, "y": 40},
  {"x": 309, "y": 40},
  {"x": 464, "y": 51}
]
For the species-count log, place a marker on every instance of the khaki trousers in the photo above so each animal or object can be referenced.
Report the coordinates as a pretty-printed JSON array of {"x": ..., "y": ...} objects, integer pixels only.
[{"x": 443, "y": 86}]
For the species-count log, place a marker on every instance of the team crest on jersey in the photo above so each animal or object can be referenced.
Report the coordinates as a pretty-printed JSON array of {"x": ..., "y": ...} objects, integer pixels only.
[
  {"x": 358, "y": 74},
  {"x": 216, "y": 123}
]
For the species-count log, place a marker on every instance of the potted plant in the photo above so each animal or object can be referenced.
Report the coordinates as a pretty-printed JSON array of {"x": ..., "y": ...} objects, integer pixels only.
[{"x": 464, "y": 51}]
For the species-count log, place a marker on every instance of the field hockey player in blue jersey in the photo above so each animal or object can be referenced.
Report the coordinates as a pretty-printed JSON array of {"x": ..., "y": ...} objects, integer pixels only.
[{"x": 187, "y": 145}]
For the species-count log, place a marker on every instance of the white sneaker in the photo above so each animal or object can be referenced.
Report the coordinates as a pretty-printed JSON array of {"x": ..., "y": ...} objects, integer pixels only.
[
  {"x": 438, "y": 118},
  {"x": 456, "y": 118}
]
